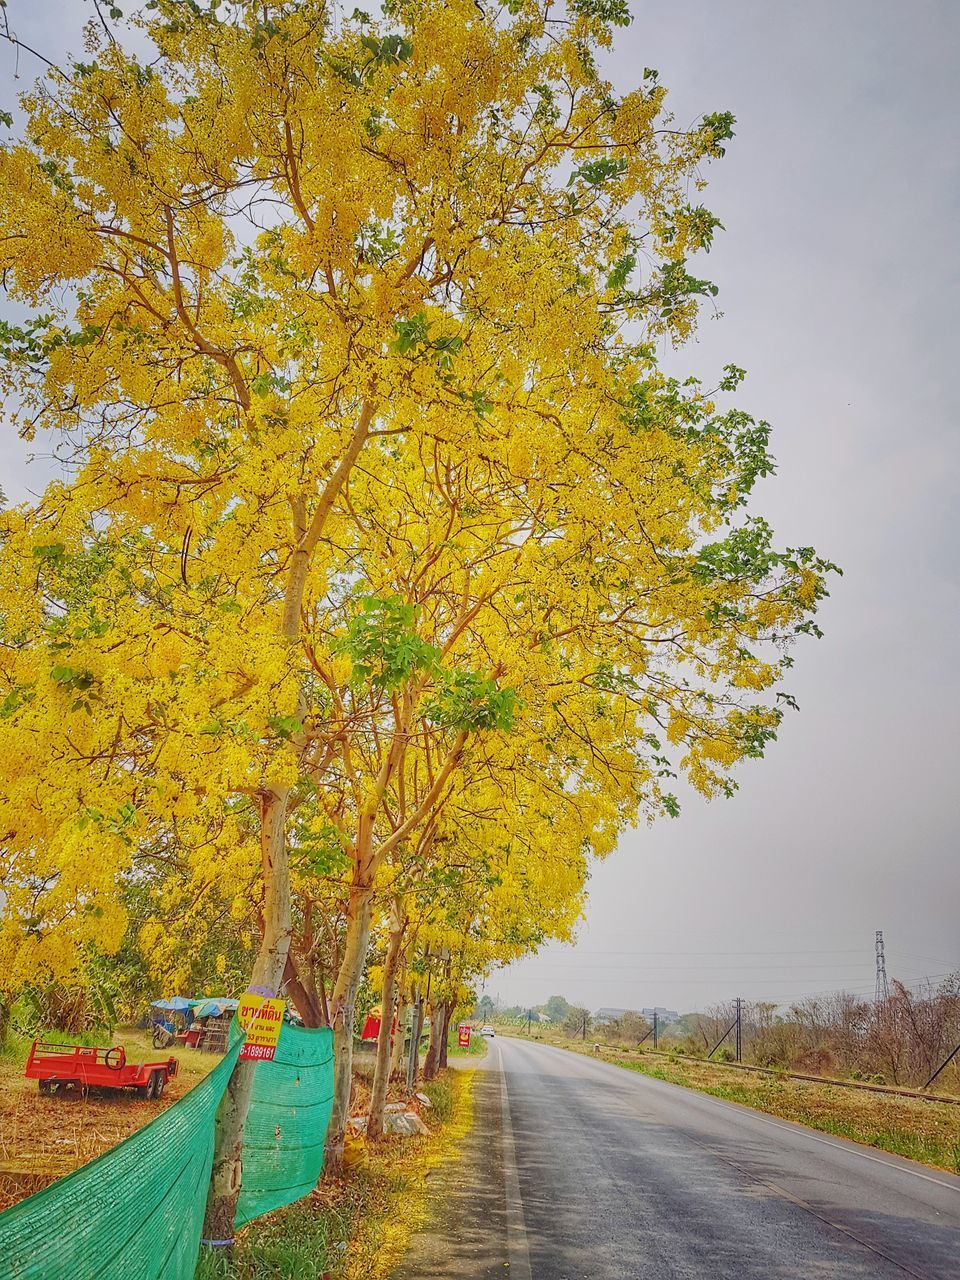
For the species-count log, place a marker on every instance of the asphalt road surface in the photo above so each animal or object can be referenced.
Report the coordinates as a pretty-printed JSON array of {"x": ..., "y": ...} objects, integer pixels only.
[{"x": 579, "y": 1169}]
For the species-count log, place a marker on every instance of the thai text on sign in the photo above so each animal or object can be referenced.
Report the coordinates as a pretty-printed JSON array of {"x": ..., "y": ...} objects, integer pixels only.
[
  {"x": 261, "y": 1017},
  {"x": 463, "y": 1035}
]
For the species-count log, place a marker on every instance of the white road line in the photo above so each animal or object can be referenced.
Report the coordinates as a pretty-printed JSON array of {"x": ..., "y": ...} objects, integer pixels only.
[
  {"x": 852, "y": 1149},
  {"x": 848, "y": 1148},
  {"x": 518, "y": 1252}
]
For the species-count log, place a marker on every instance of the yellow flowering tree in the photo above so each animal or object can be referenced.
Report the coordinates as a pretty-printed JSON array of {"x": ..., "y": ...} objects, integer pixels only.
[{"x": 282, "y": 278}]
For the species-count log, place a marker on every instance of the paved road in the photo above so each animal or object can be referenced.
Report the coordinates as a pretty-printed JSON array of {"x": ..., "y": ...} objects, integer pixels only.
[{"x": 581, "y": 1169}]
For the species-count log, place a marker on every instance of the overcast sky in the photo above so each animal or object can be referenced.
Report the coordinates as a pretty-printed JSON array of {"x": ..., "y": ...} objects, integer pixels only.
[{"x": 839, "y": 275}]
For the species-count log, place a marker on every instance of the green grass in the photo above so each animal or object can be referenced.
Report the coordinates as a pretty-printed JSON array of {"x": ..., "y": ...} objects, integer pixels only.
[
  {"x": 298, "y": 1243},
  {"x": 478, "y": 1046},
  {"x": 15, "y": 1047},
  {"x": 440, "y": 1093}
]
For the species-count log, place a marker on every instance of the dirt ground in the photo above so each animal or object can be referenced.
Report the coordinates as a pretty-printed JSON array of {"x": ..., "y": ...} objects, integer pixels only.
[{"x": 43, "y": 1138}]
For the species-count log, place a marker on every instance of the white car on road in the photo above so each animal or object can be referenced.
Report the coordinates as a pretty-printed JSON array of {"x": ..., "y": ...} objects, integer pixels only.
[{"x": 487, "y": 1031}]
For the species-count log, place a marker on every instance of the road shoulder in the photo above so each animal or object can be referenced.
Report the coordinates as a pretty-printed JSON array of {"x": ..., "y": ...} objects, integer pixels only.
[{"x": 466, "y": 1230}]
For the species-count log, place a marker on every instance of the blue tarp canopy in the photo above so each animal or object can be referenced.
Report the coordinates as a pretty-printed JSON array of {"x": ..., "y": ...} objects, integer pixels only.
[
  {"x": 213, "y": 1007},
  {"x": 177, "y": 1004}
]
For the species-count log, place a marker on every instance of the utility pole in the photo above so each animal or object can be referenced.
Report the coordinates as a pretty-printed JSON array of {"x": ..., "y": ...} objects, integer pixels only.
[
  {"x": 529, "y": 1020},
  {"x": 654, "y": 1028},
  {"x": 739, "y": 1029},
  {"x": 883, "y": 989},
  {"x": 732, "y": 1025},
  {"x": 583, "y": 1028}
]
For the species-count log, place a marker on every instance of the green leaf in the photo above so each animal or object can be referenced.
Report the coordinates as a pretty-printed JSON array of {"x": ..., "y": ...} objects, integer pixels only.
[
  {"x": 621, "y": 271},
  {"x": 596, "y": 172},
  {"x": 285, "y": 726},
  {"x": 382, "y": 642},
  {"x": 614, "y": 12},
  {"x": 410, "y": 334},
  {"x": 717, "y": 128},
  {"x": 52, "y": 551},
  {"x": 469, "y": 702}
]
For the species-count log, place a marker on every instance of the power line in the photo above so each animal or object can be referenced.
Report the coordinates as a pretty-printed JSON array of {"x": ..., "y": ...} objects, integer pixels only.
[
  {"x": 782, "y": 951},
  {"x": 570, "y": 967},
  {"x": 791, "y": 997},
  {"x": 944, "y": 964}
]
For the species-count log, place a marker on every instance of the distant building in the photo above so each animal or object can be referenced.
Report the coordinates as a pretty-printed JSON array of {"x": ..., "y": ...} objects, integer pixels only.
[
  {"x": 603, "y": 1016},
  {"x": 609, "y": 1015},
  {"x": 663, "y": 1015}
]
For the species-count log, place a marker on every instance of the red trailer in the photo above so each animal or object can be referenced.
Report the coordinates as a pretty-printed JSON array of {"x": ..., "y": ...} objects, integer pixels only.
[{"x": 58, "y": 1067}]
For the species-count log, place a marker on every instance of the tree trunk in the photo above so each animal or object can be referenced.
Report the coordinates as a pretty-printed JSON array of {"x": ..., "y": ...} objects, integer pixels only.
[
  {"x": 226, "y": 1174},
  {"x": 342, "y": 1014},
  {"x": 431, "y": 1063},
  {"x": 448, "y": 1009},
  {"x": 396, "y": 1057},
  {"x": 381, "y": 1071},
  {"x": 300, "y": 975},
  {"x": 304, "y": 1000}
]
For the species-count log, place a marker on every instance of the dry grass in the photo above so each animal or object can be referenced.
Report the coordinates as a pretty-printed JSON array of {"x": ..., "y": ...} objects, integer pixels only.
[{"x": 43, "y": 1138}]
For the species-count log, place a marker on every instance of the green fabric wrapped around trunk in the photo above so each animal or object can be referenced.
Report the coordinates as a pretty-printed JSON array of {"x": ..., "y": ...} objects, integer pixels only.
[
  {"x": 137, "y": 1211},
  {"x": 287, "y": 1126}
]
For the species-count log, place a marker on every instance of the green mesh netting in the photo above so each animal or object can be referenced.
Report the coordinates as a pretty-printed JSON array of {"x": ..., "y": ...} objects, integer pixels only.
[
  {"x": 135, "y": 1212},
  {"x": 287, "y": 1125}
]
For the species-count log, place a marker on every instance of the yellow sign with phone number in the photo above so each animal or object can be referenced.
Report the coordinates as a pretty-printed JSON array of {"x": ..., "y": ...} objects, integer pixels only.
[{"x": 261, "y": 1018}]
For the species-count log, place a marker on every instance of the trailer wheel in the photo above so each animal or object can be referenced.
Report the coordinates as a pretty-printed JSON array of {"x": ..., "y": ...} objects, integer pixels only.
[
  {"x": 45, "y": 1087},
  {"x": 160, "y": 1079},
  {"x": 148, "y": 1090}
]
